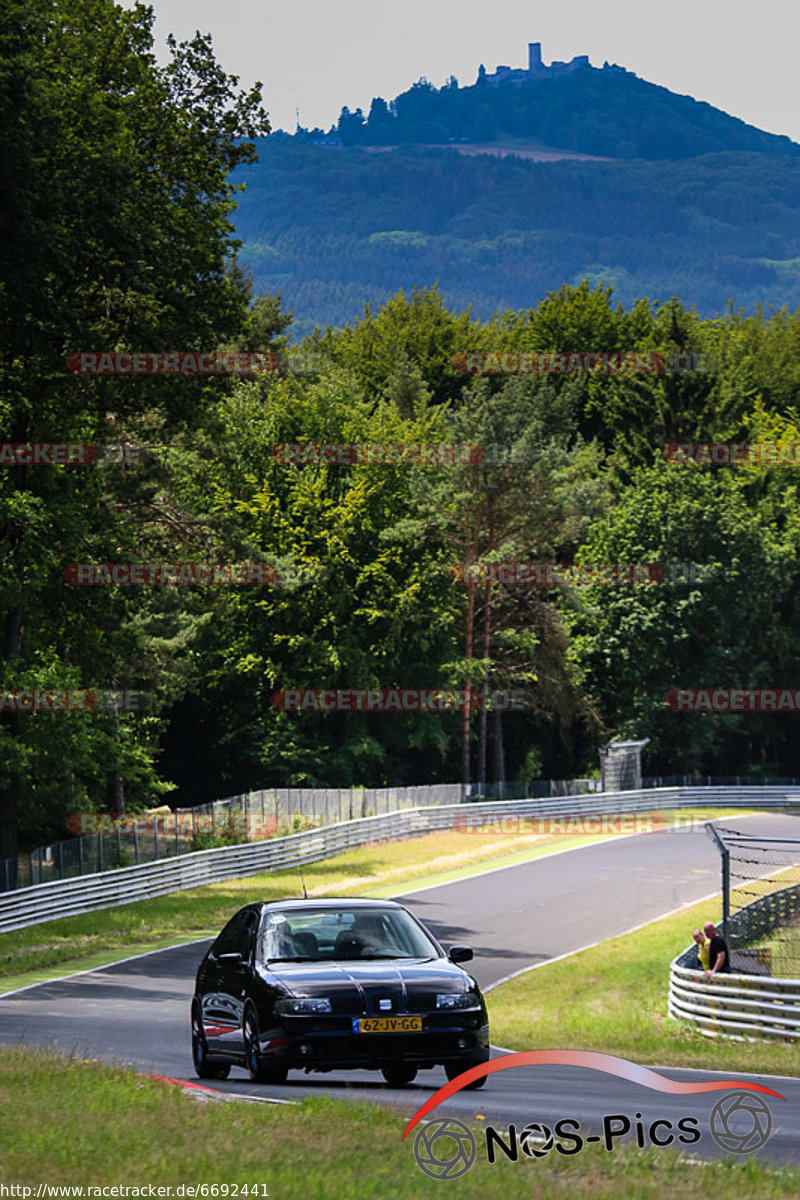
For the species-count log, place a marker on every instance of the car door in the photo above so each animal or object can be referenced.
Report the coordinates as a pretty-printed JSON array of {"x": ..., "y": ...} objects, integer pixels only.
[
  {"x": 220, "y": 1011},
  {"x": 234, "y": 980}
]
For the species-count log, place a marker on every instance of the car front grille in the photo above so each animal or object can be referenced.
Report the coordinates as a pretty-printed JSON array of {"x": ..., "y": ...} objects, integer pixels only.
[{"x": 366, "y": 1048}]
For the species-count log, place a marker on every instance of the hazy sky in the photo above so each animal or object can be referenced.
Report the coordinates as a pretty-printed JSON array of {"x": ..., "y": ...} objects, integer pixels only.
[{"x": 737, "y": 54}]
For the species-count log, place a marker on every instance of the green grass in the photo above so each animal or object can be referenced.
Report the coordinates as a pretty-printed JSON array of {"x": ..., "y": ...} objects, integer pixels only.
[
  {"x": 97, "y": 938},
  {"x": 72, "y": 1123},
  {"x": 785, "y": 946},
  {"x": 41, "y": 952},
  {"x": 613, "y": 998}
]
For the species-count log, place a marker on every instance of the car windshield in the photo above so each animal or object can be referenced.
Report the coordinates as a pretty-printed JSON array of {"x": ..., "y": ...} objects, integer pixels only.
[{"x": 342, "y": 934}]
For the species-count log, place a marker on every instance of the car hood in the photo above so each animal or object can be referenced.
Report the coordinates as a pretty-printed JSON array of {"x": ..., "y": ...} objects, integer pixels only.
[{"x": 362, "y": 978}]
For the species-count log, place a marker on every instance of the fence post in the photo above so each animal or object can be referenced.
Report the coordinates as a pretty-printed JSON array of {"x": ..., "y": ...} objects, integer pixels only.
[
  {"x": 61, "y": 860},
  {"x": 80, "y": 854},
  {"x": 726, "y": 875},
  {"x": 155, "y": 835},
  {"x": 136, "y": 837},
  {"x": 175, "y": 815},
  {"x": 100, "y": 851}
]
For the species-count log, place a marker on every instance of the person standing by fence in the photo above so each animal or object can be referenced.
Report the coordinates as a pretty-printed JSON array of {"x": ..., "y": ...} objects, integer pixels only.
[
  {"x": 702, "y": 949},
  {"x": 719, "y": 958}
]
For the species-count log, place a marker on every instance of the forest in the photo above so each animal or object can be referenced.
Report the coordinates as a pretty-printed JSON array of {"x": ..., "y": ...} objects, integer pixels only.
[
  {"x": 331, "y": 228},
  {"x": 136, "y": 251}
]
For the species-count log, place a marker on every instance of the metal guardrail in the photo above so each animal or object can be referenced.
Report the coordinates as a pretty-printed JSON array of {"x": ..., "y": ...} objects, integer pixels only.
[
  {"x": 765, "y": 914},
  {"x": 747, "y": 1007},
  {"x": 737, "y": 1005},
  {"x": 104, "y": 844},
  {"x": 145, "y": 837},
  {"x": 61, "y": 898},
  {"x": 149, "y": 836}
]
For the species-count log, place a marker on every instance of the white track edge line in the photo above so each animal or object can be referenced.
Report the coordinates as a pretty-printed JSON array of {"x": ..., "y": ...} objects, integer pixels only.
[
  {"x": 591, "y": 945},
  {"x": 429, "y": 887},
  {"x": 103, "y": 966}
]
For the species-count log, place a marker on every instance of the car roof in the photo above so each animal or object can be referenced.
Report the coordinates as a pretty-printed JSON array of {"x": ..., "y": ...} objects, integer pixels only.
[{"x": 328, "y": 902}]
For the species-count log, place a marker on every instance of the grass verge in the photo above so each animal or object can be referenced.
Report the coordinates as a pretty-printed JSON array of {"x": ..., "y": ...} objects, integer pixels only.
[
  {"x": 38, "y": 952},
  {"x": 69, "y": 1123},
  {"x": 95, "y": 939},
  {"x": 784, "y": 945},
  {"x": 613, "y": 998}
]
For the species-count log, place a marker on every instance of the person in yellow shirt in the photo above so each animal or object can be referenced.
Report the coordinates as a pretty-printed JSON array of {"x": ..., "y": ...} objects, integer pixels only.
[{"x": 702, "y": 948}]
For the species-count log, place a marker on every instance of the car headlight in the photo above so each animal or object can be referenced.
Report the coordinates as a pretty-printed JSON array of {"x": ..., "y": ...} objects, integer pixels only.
[
  {"x": 303, "y": 1006},
  {"x": 458, "y": 1000}
]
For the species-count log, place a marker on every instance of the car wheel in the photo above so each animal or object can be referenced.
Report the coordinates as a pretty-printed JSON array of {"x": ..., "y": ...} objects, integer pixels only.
[
  {"x": 452, "y": 1070},
  {"x": 398, "y": 1074},
  {"x": 202, "y": 1067},
  {"x": 260, "y": 1071}
]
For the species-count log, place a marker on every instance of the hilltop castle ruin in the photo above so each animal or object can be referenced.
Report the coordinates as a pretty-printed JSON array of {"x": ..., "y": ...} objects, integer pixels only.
[{"x": 536, "y": 68}]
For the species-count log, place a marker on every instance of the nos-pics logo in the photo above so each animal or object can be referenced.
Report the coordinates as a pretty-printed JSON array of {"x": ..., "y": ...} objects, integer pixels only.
[
  {"x": 445, "y": 1148},
  {"x": 740, "y": 1122}
]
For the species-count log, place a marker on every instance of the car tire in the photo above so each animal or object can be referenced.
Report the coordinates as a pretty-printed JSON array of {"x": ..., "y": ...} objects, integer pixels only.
[
  {"x": 398, "y": 1074},
  {"x": 452, "y": 1070},
  {"x": 260, "y": 1071},
  {"x": 204, "y": 1069}
]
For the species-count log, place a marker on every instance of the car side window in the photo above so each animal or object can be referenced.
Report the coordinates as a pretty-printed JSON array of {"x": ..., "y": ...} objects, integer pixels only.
[
  {"x": 245, "y": 934},
  {"x": 228, "y": 940}
]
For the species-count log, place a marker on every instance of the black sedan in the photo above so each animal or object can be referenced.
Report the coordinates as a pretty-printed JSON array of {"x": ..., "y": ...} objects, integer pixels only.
[{"x": 323, "y": 985}]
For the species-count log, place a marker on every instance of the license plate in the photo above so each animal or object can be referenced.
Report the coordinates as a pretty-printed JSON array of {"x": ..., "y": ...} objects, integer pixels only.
[{"x": 387, "y": 1024}]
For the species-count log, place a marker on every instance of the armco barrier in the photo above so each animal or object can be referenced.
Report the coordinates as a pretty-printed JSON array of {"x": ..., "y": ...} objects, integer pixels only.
[
  {"x": 145, "y": 838},
  {"x": 765, "y": 914},
  {"x": 736, "y": 1005},
  {"x": 46, "y": 901}
]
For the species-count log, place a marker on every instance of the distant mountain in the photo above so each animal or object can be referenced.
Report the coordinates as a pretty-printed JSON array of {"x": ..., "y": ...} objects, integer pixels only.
[
  {"x": 331, "y": 229},
  {"x": 608, "y": 112},
  {"x": 443, "y": 185}
]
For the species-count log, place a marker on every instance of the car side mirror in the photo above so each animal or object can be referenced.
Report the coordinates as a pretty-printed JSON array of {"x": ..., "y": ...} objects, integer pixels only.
[
  {"x": 460, "y": 954},
  {"x": 232, "y": 960}
]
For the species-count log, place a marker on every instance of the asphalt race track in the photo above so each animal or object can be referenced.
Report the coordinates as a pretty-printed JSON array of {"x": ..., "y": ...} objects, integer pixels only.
[{"x": 137, "y": 1012}]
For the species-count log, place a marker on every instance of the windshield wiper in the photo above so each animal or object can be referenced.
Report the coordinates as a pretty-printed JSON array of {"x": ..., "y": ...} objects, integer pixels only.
[
  {"x": 376, "y": 955},
  {"x": 296, "y": 958}
]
